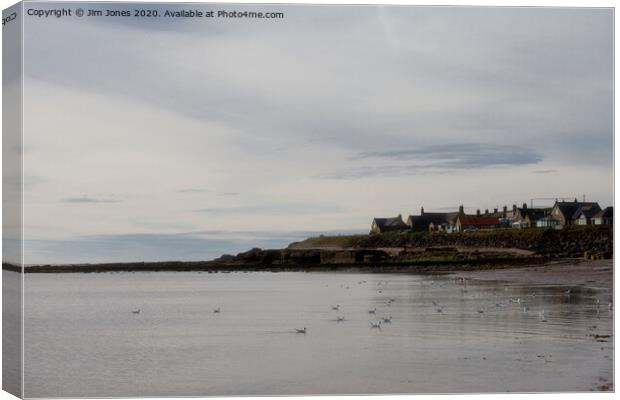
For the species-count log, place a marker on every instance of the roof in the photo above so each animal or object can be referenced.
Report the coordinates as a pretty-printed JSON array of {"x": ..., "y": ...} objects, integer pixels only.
[
  {"x": 394, "y": 222},
  {"x": 587, "y": 212},
  {"x": 534, "y": 214},
  {"x": 426, "y": 219},
  {"x": 434, "y": 218},
  {"x": 608, "y": 212},
  {"x": 570, "y": 209},
  {"x": 478, "y": 221}
]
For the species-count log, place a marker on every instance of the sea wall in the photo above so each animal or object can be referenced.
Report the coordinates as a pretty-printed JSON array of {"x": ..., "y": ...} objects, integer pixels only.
[{"x": 568, "y": 242}]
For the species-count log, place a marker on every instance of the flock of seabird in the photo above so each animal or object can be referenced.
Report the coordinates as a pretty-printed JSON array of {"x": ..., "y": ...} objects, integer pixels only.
[{"x": 438, "y": 307}]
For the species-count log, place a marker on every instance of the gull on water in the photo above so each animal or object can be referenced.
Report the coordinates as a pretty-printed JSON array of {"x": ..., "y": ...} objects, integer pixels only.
[
  {"x": 541, "y": 316},
  {"x": 300, "y": 330},
  {"x": 216, "y": 310},
  {"x": 373, "y": 311},
  {"x": 138, "y": 311},
  {"x": 377, "y": 325}
]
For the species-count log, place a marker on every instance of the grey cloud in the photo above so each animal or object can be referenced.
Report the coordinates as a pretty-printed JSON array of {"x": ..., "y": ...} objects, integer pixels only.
[
  {"x": 462, "y": 155},
  {"x": 439, "y": 159},
  {"x": 489, "y": 82},
  {"x": 86, "y": 199},
  {"x": 521, "y": 85},
  {"x": 275, "y": 209},
  {"x": 544, "y": 171},
  {"x": 386, "y": 170},
  {"x": 193, "y": 190}
]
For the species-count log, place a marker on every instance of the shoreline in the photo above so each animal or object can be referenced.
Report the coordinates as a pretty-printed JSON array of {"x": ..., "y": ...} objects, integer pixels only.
[
  {"x": 597, "y": 274},
  {"x": 482, "y": 268},
  {"x": 428, "y": 264}
]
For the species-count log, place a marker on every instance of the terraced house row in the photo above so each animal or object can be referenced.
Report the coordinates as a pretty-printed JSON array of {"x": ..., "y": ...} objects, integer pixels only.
[{"x": 563, "y": 213}]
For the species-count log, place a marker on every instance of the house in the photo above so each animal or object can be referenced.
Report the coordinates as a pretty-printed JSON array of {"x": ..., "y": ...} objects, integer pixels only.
[
  {"x": 419, "y": 223},
  {"x": 566, "y": 212},
  {"x": 585, "y": 215},
  {"x": 432, "y": 221},
  {"x": 471, "y": 222},
  {"x": 547, "y": 222},
  {"x": 448, "y": 225},
  {"x": 604, "y": 217},
  {"x": 525, "y": 217},
  {"x": 381, "y": 225}
]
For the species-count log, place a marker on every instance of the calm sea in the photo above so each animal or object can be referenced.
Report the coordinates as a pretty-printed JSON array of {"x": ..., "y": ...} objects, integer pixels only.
[{"x": 82, "y": 337}]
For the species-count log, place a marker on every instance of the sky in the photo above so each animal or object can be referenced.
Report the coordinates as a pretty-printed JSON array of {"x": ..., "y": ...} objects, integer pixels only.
[{"x": 159, "y": 139}]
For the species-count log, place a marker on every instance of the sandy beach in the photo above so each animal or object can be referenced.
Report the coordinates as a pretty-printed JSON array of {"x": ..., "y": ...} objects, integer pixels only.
[{"x": 573, "y": 272}]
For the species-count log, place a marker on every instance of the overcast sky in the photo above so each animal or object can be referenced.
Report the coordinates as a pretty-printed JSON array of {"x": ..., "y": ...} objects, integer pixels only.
[{"x": 184, "y": 139}]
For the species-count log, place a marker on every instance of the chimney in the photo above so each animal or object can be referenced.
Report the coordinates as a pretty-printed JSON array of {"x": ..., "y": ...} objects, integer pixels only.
[
  {"x": 486, "y": 211},
  {"x": 478, "y": 212},
  {"x": 514, "y": 208},
  {"x": 505, "y": 212},
  {"x": 524, "y": 205},
  {"x": 495, "y": 210},
  {"x": 575, "y": 200},
  {"x": 461, "y": 209},
  {"x": 422, "y": 211}
]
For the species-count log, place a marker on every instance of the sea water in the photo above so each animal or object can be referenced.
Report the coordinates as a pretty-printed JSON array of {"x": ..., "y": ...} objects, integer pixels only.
[{"x": 84, "y": 335}]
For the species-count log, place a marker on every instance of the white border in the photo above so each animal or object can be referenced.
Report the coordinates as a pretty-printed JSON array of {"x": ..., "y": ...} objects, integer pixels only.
[{"x": 509, "y": 3}]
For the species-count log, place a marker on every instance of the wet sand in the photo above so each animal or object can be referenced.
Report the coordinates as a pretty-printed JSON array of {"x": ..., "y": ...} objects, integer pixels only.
[{"x": 573, "y": 272}]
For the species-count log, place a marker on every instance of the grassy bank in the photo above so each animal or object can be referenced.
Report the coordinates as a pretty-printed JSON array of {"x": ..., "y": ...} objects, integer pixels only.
[{"x": 568, "y": 242}]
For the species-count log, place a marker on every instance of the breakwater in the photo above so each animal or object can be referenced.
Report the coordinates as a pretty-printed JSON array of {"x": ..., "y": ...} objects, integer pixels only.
[{"x": 434, "y": 259}]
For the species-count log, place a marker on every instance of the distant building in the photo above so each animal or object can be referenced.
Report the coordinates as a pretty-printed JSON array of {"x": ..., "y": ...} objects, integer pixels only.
[
  {"x": 448, "y": 225},
  {"x": 604, "y": 217},
  {"x": 567, "y": 212},
  {"x": 431, "y": 221},
  {"x": 471, "y": 222},
  {"x": 381, "y": 225},
  {"x": 584, "y": 216},
  {"x": 525, "y": 217},
  {"x": 562, "y": 213},
  {"x": 547, "y": 222}
]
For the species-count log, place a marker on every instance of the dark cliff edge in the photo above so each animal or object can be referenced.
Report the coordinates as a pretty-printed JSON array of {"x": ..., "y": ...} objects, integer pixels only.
[
  {"x": 393, "y": 252},
  {"x": 314, "y": 260}
]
